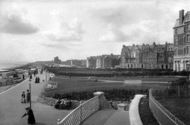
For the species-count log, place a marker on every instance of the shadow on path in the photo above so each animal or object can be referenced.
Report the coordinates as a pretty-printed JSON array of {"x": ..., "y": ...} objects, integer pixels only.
[{"x": 38, "y": 123}]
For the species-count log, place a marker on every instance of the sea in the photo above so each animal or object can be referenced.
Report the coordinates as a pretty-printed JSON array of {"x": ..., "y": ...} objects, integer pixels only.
[{"x": 5, "y": 66}]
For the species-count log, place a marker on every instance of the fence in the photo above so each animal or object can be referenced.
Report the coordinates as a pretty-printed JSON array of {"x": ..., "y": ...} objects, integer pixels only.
[
  {"x": 81, "y": 112},
  {"x": 162, "y": 115}
]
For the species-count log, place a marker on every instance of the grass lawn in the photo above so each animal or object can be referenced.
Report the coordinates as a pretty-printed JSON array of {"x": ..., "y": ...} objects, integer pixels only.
[
  {"x": 145, "y": 113},
  {"x": 143, "y": 78},
  {"x": 180, "y": 107},
  {"x": 77, "y": 84}
]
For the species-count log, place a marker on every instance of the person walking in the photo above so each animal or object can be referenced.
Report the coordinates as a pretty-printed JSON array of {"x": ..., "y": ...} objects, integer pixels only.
[
  {"x": 23, "y": 97},
  {"x": 28, "y": 96},
  {"x": 30, "y": 76},
  {"x": 31, "y": 118}
]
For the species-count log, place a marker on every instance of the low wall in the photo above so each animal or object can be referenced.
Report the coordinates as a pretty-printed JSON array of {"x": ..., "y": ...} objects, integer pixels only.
[
  {"x": 162, "y": 115},
  {"x": 84, "y": 110},
  {"x": 134, "y": 111}
]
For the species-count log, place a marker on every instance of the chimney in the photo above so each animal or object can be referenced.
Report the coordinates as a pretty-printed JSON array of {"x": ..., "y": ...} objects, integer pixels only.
[{"x": 181, "y": 16}]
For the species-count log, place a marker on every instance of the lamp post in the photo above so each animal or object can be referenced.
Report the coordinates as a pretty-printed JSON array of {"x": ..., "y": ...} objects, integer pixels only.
[
  {"x": 30, "y": 93},
  {"x": 46, "y": 76}
]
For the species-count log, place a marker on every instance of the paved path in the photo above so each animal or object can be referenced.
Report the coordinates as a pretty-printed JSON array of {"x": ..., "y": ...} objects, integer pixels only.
[
  {"x": 99, "y": 118},
  {"x": 3, "y": 88},
  {"x": 134, "y": 110},
  {"x": 11, "y": 109},
  {"x": 119, "y": 118},
  {"x": 108, "y": 117}
]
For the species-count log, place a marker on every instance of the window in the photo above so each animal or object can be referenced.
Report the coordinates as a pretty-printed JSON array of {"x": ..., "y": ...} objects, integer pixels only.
[
  {"x": 188, "y": 27},
  {"x": 187, "y": 50},
  {"x": 180, "y": 51},
  {"x": 176, "y": 40},
  {"x": 188, "y": 38},
  {"x": 184, "y": 50},
  {"x": 180, "y": 39},
  {"x": 180, "y": 30}
]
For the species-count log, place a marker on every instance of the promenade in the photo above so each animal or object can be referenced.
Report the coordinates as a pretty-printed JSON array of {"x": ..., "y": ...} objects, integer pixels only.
[
  {"x": 11, "y": 109},
  {"x": 108, "y": 117},
  {"x": 117, "y": 117}
]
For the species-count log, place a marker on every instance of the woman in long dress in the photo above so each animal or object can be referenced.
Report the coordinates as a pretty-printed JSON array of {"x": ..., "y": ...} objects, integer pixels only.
[{"x": 31, "y": 118}]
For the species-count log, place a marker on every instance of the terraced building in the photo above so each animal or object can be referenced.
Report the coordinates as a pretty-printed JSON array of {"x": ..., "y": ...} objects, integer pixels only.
[
  {"x": 155, "y": 56},
  {"x": 182, "y": 42}
]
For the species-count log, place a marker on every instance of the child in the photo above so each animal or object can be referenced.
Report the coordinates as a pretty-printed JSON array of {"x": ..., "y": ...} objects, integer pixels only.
[{"x": 23, "y": 100}]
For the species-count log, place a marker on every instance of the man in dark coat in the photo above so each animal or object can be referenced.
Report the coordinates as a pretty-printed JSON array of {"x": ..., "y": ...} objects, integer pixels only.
[{"x": 31, "y": 118}]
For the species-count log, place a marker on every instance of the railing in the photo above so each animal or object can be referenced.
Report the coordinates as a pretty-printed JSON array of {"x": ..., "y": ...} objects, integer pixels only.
[
  {"x": 81, "y": 112},
  {"x": 162, "y": 115}
]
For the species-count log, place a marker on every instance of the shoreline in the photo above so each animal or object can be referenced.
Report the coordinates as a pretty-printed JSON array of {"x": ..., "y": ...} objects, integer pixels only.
[{"x": 12, "y": 66}]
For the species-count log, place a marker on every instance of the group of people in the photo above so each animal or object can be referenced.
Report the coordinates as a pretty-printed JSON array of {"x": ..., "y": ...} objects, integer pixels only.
[
  {"x": 25, "y": 97},
  {"x": 37, "y": 80}
]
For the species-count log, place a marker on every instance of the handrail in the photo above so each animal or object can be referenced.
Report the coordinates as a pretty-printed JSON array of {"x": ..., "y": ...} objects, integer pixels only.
[
  {"x": 80, "y": 111},
  {"x": 157, "y": 108}
]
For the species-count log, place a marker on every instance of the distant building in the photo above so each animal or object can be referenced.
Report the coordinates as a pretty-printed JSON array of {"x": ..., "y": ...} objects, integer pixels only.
[
  {"x": 182, "y": 42},
  {"x": 103, "y": 61},
  {"x": 57, "y": 60},
  {"x": 155, "y": 56},
  {"x": 91, "y": 62},
  {"x": 75, "y": 62},
  {"x": 99, "y": 61},
  {"x": 130, "y": 57}
]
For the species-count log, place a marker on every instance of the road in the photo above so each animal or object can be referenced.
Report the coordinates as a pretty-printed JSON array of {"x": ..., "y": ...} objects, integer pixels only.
[{"x": 11, "y": 109}]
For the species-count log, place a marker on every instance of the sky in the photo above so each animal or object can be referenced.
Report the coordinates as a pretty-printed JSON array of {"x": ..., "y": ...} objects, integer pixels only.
[{"x": 34, "y": 30}]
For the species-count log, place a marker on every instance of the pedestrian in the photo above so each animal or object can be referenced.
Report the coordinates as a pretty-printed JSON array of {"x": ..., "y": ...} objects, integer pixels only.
[
  {"x": 28, "y": 96},
  {"x": 31, "y": 118},
  {"x": 23, "y": 97},
  {"x": 38, "y": 79},
  {"x": 30, "y": 76},
  {"x": 35, "y": 80}
]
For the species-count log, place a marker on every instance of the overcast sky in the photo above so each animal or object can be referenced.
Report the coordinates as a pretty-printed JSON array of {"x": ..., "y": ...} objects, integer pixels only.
[{"x": 32, "y": 30}]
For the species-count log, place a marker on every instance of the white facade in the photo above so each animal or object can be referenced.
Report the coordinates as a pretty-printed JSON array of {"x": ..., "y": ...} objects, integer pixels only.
[{"x": 181, "y": 63}]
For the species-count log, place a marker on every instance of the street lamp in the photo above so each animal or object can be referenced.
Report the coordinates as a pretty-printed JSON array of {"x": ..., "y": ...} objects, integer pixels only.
[
  {"x": 30, "y": 93},
  {"x": 46, "y": 76}
]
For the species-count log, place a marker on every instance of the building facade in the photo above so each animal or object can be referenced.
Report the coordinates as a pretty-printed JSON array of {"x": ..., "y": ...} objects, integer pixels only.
[
  {"x": 57, "y": 60},
  {"x": 91, "y": 62},
  {"x": 155, "y": 56},
  {"x": 75, "y": 62},
  {"x": 130, "y": 57},
  {"x": 182, "y": 42},
  {"x": 103, "y": 61}
]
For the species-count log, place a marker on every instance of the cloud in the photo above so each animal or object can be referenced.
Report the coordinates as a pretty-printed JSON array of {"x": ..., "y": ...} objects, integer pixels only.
[
  {"x": 16, "y": 24},
  {"x": 113, "y": 34},
  {"x": 137, "y": 21},
  {"x": 66, "y": 31},
  {"x": 54, "y": 46},
  {"x": 14, "y": 20}
]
